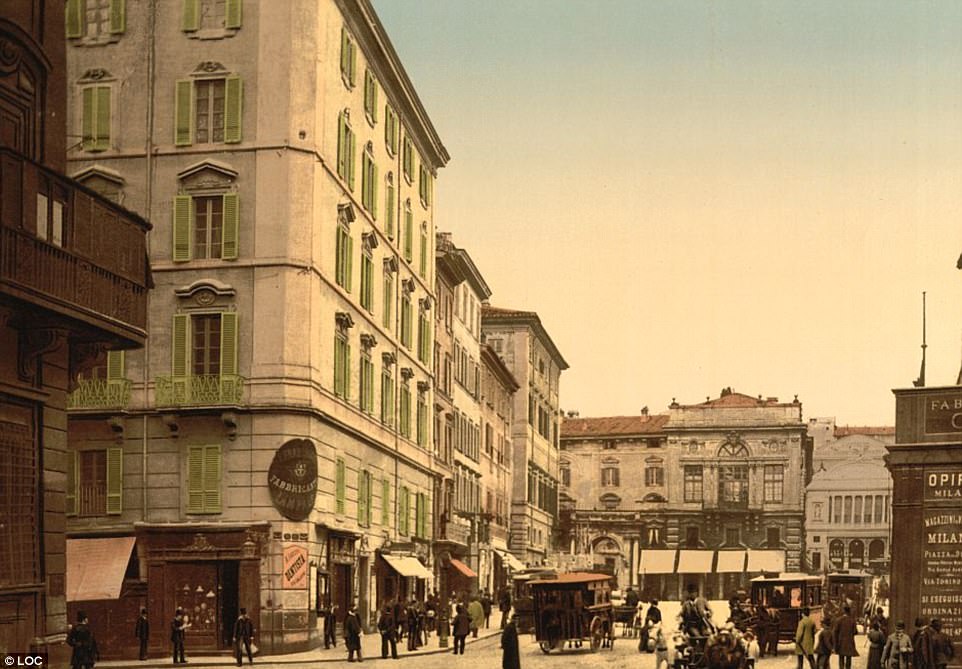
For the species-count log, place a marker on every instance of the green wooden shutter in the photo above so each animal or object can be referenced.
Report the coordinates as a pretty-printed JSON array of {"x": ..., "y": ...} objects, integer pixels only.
[
  {"x": 228, "y": 343},
  {"x": 418, "y": 515},
  {"x": 342, "y": 143},
  {"x": 347, "y": 371},
  {"x": 183, "y": 224},
  {"x": 191, "y": 15},
  {"x": 229, "y": 245},
  {"x": 212, "y": 475},
  {"x": 75, "y": 12},
  {"x": 374, "y": 191},
  {"x": 351, "y": 145},
  {"x": 339, "y": 486},
  {"x": 118, "y": 17},
  {"x": 345, "y": 57},
  {"x": 183, "y": 109},
  {"x": 115, "y": 480},
  {"x": 195, "y": 479},
  {"x": 233, "y": 12},
  {"x": 89, "y": 122},
  {"x": 178, "y": 346},
  {"x": 233, "y": 102},
  {"x": 70, "y": 500},
  {"x": 349, "y": 269},
  {"x": 361, "y": 498},
  {"x": 102, "y": 142},
  {"x": 115, "y": 365}
]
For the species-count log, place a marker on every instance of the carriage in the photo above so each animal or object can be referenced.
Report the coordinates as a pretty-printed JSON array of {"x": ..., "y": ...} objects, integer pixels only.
[
  {"x": 848, "y": 588},
  {"x": 574, "y": 608},
  {"x": 788, "y": 594},
  {"x": 521, "y": 595}
]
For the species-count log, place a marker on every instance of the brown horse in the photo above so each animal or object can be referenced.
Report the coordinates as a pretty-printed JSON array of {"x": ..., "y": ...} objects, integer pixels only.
[{"x": 725, "y": 651}]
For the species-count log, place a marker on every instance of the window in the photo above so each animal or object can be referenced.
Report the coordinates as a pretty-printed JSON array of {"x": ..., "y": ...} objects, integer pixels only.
[
  {"x": 407, "y": 159},
  {"x": 732, "y": 536},
  {"x": 203, "y": 479},
  {"x": 339, "y": 485},
  {"x": 204, "y": 345},
  {"x": 423, "y": 265},
  {"x": 344, "y": 254},
  {"x": 207, "y": 111},
  {"x": 387, "y": 397},
  {"x": 692, "y": 539},
  {"x": 610, "y": 475},
  {"x": 390, "y": 130},
  {"x": 211, "y": 16},
  {"x": 424, "y": 186},
  {"x": 346, "y": 144},
  {"x": 773, "y": 537},
  {"x": 367, "y": 383},
  {"x": 342, "y": 366},
  {"x": 836, "y": 553},
  {"x": 348, "y": 58},
  {"x": 205, "y": 227},
  {"x": 424, "y": 337},
  {"x": 389, "y": 206},
  {"x": 566, "y": 476},
  {"x": 95, "y": 20},
  {"x": 20, "y": 472},
  {"x": 847, "y": 518},
  {"x": 406, "y": 321},
  {"x": 817, "y": 511},
  {"x": 367, "y": 279},
  {"x": 96, "y": 118},
  {"x": 403, "y": 511},
  {"x": 95, "y": 482},
  {"x": 408, "y": 232},
  {"x": 388, "y": 290},
  {"x": 878, "y": 510},
  {"x": 774, "y": 483},
  {"x": 733, "y": 485},
  {"x": 693, "y": 483},
  {"x": 422, "y": 421},
  {"x": 370, "y": 96},
  {"x": 405, "y": 410},
  {"x": 857, "y": 514},
  {"x": 51, "y": 213},
  {"x": 421, "y": 516},
  {"x": 369, "y": 182},
  {"x": 654, "y": 476},
  {"x": 385, "y": 502},
  {"x": 653, "y": 536},
  {"x": 364, "y": 498},
  {"x": 816, "y": 560},
  {"x": 867, "y": 514}
]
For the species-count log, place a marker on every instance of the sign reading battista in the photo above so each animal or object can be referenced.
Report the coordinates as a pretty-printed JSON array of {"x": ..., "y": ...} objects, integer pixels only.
[
  {"x": 941, "y": 591},
  {"x": 943, "y": 413},
  {"x": 292, "y": 479}
]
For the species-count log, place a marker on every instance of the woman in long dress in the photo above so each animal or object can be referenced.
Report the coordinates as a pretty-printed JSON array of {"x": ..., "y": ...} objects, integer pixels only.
[{"x": 876, "y": 643}]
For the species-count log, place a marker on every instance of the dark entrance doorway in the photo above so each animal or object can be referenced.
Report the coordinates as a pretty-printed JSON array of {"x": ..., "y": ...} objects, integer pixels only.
[
  {"x": 342, "y": 589},
  {"x": 207, "y": 591}
]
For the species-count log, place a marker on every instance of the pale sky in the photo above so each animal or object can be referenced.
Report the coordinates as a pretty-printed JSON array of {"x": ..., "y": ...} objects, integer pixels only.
[{"x": 694, "y": 195}]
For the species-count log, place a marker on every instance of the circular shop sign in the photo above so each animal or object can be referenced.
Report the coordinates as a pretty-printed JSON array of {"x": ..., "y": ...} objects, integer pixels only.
[{"x": 292, "y": 479}]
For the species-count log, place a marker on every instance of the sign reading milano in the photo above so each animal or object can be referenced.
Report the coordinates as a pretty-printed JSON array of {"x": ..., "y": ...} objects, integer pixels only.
[{"x": 292, "y": 479}]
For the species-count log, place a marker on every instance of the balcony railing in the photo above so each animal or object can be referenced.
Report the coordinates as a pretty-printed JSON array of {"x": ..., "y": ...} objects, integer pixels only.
[
  {"x": 92, "y": 499},
  {"x": 100, "y": 394},
  {"x": 68, "y": 250},
  {"x": 198, "y": 390},
  {"x": 455, "y": 532}
]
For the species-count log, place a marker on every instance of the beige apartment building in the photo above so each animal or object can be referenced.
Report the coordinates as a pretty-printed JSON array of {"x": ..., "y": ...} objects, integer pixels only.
[
  {"x": 271, "y": 448},
  {"x": 521, "y": 340}
]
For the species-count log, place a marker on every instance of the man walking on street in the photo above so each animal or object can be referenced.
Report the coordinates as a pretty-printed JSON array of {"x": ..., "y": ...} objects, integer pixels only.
[
  {"x": 177, "y": 627},
  {"x": 504, "y": 605},
  {"x": 329, "y": 612},
  {"x": 486, "y": 607},
  {"x": 142, "y": 632},
  {"x": 898, "y": 649},
  {"x": 243, "y": 635},
  {"x": 461, "y": 628},
  {"x": 843, "y": 632},
  {"x": 942, "y": 650},
  {"x": 388, "y": 630},
  {"x": 805, "y": 639},
  {"x": 352, "y": 634}
]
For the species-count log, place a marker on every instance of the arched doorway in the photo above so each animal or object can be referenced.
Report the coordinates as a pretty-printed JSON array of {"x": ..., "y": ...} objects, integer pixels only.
[
  {"x": 876, "y": 552},
  {"x": 836, "y": 554},
  {"x": 606, "y": 555},
  {"x": 856, "y": 554}
]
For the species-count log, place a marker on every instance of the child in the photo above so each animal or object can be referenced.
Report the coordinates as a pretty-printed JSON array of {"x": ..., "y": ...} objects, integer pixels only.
[{"x": 752, "y": 649}]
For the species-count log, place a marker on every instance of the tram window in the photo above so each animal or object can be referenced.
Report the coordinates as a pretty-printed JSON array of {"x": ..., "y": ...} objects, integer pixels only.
[
  {"x": 778, "y": 597},
  {"x": 796, "y": 597}
]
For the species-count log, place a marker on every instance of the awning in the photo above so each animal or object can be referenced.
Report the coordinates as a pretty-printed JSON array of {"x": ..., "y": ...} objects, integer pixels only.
[
  {"x": 514, "y": 564},
  {"x": 96, "y": 567},
  {"x": 730, "y": 562},
  {"x": 695, "y": 562},
  {"x": 407, "y": 566},
  {"x": 657, "y": 561},
  {"x": 463, "y": 568},
  {"x": 771, "y": 560}
]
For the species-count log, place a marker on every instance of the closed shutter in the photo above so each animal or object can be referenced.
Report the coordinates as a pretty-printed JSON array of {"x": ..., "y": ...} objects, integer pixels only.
[
  {"x": 191, "y": 15},
  {"x": 183, "y": 109},
  {"x": 403, "y": 512},
  {"x": 102, "y": 141},
  {"x": 183, "y": 224},
  {"x": 351, "y": 145},
  {"x": 339, "y": 486},
  {"x": 419, "y": 515},
  {"x": 212, "y": 475},
  {"x": 228, "y": 344},
  {"x": 88, "y": 121},
  {"x": 374, "y": 191},
  {"x": 229, "y": 248},
  {"x": 385, "y": 501},
  {"x": 347, "y": 371},
  {"x": 71, "y": 492},
  {"x": 195, "y": 479},
  {"x": 75, "y": 26},
  {"x": 349, "y": 269},
  {"x": 233, "y": 103},
  {"x": 361, "y": 497},
  {"x": 118, "y": 16},
  {"x": 233, "y": 12},
  {"x": 345, "y": 56},
  {"x": 338, "y": 365},
  {"x": 178, "y": 346},
  {"x": 342, "y": 144},
  {"x": 115, "y": 480},
  {"x": 115, "y": 365}
]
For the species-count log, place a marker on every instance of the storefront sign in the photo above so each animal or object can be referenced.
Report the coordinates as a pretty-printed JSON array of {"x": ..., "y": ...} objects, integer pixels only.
[
  {"x": 943, "y": 485},
  {"x": 295, "y": 568},
  {"x": 943, "y": 413},
  {"x": 292, "y": 479},
  {"x": 942, "y": 569}
]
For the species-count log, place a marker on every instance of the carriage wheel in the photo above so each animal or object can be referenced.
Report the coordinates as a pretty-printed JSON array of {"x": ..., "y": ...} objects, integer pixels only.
[
  {"x": 596, "y": 633},
  {"x": 545, "y": 646}
]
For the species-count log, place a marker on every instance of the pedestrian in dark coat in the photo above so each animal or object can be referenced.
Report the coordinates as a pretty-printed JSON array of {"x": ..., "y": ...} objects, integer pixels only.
[
  {"x": 461, "y": 627},
  {"x": 142, "y": 632},
  {"x": 876, "y": 644},
  {"x": 843, "y": 633},
  {"x": 942, "y": 650},
  {"x": 388, "y": 630},
  {"x": 329, "y": 615},
  {"x": 823, "y": 644},
  {"x": 486, "y": 608},
  {"x": 84, "y": 646},
  {"x": 352, "y": 634},
  {"x": 504, "y": 605},
  {"x": 243, "y": 636},
  {"x": 413, "y": 624},
  {"x": 510, "y": 655},
  {"x": 177, "y": 627}
]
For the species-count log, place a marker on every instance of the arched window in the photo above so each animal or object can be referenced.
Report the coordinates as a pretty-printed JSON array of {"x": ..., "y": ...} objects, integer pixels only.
[
  {"x": 836, "y": 554},
  {"x": 876, "y": 551},
  {"x": 856, "y": 554},
  {"x": 733, "y": 450},
  {"x": 610, "y": 501}
]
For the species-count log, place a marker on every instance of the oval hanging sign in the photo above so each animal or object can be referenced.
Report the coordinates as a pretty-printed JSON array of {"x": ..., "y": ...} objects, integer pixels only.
[{"x": 292, "y": 479}]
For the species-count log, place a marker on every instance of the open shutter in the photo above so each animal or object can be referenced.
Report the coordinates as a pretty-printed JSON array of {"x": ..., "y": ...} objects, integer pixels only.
[
  {"x": 212, "y": 471},
  {"x": 195, "y": 479},
  {"x": 115, "y": 480},
  {"x": 385, "y": 501},
  {"x": 233, "y": 101},
  {"x": 228, "y": 343},
  {"x": 339, "y": 486},
  {"x": 178, "y": 346},
  {"x": 183, "y": 108},
  {"x": 350, "y": 264},
  {"x": 233, "y": 14},
  {"x": 118, "y": 16},
  {"x": 191, "y": 15},
  {"x": 229, "y": 248},
  {"x": 351, "y": 145},
  {"x": 342, "y": 143},
  {"x": 347, "y": 371},
  {"x": 75, "y": 26},
  {"x": 102, "y": 142},
  {"x": 115, "y": 365},
  {"x": 88, "y": 129},
  {"x": 361, "y": 498},
  {"x": 374, "y": 181},
  {"x": 345, "y": 58},
  {"x": 183, "y": 223},
  {"x": 71, "y": 496}
]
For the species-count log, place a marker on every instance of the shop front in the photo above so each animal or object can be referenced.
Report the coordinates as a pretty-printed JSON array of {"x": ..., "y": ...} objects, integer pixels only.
[{"x": 399, "y": 576}]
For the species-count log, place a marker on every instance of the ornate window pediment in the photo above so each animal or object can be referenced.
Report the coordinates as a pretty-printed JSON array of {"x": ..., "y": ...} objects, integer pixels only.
[
  {"x": 205, "y": 292},
  {"x": 209, "y": 175}
]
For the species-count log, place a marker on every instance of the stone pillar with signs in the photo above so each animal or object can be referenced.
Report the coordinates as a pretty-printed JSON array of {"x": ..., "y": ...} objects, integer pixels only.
[{"x": 926, "y": 466}]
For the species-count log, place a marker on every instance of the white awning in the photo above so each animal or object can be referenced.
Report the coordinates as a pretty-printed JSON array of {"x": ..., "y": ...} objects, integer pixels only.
[
  {"x": 407, "y": 566},
  {"x": 730, "y": 562},
  {"x": 657, "y": 561},
  {"x": 695, "y": 562},
  {"x": 767, "y": 560},
  {"x": 96, "y": 567},
  {"x": 513, "y": 563}
]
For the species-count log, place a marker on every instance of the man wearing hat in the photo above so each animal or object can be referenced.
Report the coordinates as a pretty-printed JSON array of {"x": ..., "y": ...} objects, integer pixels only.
[
  {"x": 142, "y": 632},
  {"x": 942, "y": 651},
  {"x": 81, "y": 639},
  {"x": 243, "y": 634},
  {"x": 898, "y": 649},
  {"x": 177, "y": 627}
]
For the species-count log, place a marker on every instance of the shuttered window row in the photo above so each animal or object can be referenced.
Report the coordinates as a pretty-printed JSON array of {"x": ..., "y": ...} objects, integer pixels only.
[{"x": 94, "y": 18}]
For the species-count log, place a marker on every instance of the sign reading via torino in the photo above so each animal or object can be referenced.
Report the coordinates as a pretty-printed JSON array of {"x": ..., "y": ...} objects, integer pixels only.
[
  {"x": 943, "y": 412},
  {"x": 292, "y": 479}
]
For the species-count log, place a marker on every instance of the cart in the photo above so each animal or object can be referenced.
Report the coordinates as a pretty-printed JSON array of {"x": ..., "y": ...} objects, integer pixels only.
[
  {"x": 848, "y": 588},
  {"x": 787, "y": 595},
  {"x": 574, "y": 608}
]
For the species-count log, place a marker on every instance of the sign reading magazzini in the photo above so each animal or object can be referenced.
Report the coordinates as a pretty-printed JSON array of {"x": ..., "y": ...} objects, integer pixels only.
[
  {"x": 941, "y": 591},
  {"x": 943, "y": 413}
]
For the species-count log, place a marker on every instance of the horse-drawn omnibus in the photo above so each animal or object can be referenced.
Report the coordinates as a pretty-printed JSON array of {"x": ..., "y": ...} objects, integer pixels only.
[
  {"x": 787, "y": 594},
  {"x": 848, "y": 588},
  {"x": 574, "y": 608}
]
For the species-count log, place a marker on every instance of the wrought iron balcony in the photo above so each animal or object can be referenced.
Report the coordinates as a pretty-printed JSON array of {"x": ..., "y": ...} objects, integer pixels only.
[
  {"x": 100, "y": 394},
  {"x": 199, "y": 390},
  {"x": 65, "y": 249}
]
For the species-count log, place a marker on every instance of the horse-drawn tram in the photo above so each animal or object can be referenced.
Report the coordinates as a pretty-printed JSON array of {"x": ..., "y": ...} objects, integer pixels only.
[
  {"x": 574, "y": 608},
  {"x": 783, "y": 596}
]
